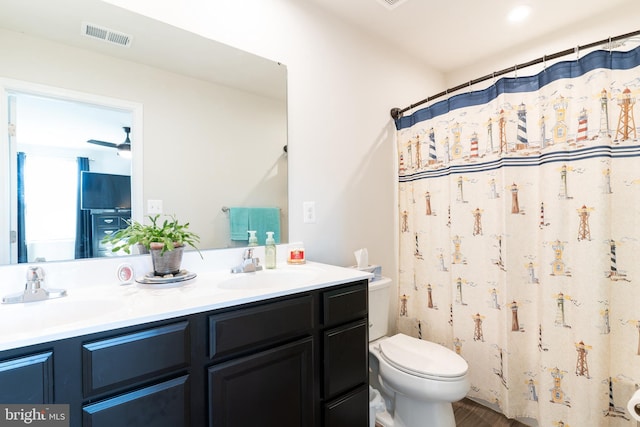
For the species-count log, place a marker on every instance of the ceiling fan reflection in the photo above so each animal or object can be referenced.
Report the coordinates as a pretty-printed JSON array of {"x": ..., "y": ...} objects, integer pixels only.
[{"x": 121, "y": 147}]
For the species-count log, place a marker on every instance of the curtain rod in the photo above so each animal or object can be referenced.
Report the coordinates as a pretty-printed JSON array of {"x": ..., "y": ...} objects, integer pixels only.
[{"x": 396, "y": 113}]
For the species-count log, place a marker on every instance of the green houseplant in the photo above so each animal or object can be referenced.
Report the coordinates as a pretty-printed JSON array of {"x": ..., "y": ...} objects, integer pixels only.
[{"x": 165, "y": 241}]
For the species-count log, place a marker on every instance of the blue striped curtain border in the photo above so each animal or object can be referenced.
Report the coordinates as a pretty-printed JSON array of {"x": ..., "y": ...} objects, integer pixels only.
[{"x": 600, "y": 59}]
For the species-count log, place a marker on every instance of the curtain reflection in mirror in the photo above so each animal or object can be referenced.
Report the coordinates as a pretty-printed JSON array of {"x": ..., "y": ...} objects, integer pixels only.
[
  {"x": 22, "y": 241},
  {"x": 83, "y": 217}
]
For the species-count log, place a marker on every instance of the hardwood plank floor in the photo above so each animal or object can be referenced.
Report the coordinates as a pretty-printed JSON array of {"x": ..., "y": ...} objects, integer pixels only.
[{"x": 471, "y": 414}]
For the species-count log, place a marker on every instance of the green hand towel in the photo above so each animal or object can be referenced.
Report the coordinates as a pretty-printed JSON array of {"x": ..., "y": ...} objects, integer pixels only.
[
  {"x": 263, "y": 220},
  {"x": 239, "y": 223}
]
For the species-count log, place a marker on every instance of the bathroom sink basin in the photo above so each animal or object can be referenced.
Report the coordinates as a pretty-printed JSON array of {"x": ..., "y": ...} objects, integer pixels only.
[
  {"x": 58, "y": 311},
  {"x": 266, "y": 279}
]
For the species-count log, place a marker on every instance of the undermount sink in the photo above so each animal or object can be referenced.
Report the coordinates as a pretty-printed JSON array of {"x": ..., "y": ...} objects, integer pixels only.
[
  {"x": 264, "y": 279},
  {"x": 58, "y": 311}
]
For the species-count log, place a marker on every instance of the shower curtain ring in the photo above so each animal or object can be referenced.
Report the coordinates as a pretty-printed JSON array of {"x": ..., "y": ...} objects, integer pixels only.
[
  {"x": 577, "y": 50},
  {"x": 544, "y": 62}
]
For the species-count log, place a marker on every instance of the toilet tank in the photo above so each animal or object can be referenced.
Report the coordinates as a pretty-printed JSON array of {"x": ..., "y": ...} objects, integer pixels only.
[{"x": 379, "y": 294}]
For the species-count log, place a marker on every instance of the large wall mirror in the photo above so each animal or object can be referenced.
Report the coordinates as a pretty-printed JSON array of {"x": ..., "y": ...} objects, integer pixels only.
[{"x": 207, "y": 124}]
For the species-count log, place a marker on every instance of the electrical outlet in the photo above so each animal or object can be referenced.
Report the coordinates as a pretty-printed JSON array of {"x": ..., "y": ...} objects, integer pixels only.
[
  {"x": 154, "y": 206},
  {"x": 309, "y": 212}
]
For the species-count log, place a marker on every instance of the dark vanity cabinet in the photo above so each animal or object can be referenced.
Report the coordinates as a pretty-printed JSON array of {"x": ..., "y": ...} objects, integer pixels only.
[
  {"x": 263, "y": 365},
  {"x": 103, "y": 225},
  {"x": 345, "y": 353},
  {"x": 152, "y": 363},
  {"x": 136, "y": 376},
  {"x": 294, "y": 361}
]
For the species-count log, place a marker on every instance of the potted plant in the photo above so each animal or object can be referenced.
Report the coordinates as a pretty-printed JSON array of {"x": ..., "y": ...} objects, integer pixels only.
[{"x": 164, "y": 241}]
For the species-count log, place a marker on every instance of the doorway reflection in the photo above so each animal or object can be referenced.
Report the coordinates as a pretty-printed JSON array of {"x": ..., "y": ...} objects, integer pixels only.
[{"x": 51, "y": 149}]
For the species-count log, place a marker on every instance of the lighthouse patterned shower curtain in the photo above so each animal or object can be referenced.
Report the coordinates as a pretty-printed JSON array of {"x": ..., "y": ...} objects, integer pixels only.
[{"x": 519, "y": 210}]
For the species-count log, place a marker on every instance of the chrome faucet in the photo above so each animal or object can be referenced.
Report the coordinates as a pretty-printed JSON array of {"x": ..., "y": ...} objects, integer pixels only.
[
  {"x": 249, "y": 263},
  {"x": 34, "y": 289}
]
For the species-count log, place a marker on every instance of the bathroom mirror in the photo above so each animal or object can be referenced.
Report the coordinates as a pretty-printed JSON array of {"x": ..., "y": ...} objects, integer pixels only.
[{"x": 210, "y": 120}]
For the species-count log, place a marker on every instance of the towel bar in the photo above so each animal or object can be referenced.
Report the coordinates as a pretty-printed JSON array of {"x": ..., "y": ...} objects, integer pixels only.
[{"x": 226, "y": 209}]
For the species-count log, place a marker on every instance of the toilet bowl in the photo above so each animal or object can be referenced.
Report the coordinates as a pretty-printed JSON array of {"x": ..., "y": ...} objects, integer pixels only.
[{"x": 418, "y": 379}]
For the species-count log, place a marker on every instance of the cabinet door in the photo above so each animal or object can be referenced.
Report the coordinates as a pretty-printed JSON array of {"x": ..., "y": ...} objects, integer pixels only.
[
  {"x": 160, "y": 405},
  {"x": 270, "y": 388},
  {"x": 29, "y": 379}
]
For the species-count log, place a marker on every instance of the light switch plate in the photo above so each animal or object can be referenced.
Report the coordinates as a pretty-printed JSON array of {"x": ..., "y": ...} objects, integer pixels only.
[
  {"x": 154, "y": 206},
  {"x": 309, "y": 212}
]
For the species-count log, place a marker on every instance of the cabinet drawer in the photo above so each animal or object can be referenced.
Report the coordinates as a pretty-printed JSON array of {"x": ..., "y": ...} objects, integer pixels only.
[
  {"x": 344, "y": 304},
  {"x": 349, "y": 410},
  {"x": 257, "y": 327},
  {"x": 346, "y": 355},
  {"x": 106, "y": 221},
  {"x": 27, "y": 380},
  {"x": 126, "y": 359},
  {"x": 160, "y": 405},
  {"x": 101, "y": 233}
]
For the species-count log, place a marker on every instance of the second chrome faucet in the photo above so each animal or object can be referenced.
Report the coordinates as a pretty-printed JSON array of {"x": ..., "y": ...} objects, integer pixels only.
[{"x": 249, "y": 263}]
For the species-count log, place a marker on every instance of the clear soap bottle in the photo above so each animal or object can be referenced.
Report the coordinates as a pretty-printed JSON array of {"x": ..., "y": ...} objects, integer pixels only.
[
  {"x": 270, "y": 251},
  {"x": 253, "y": 240}
]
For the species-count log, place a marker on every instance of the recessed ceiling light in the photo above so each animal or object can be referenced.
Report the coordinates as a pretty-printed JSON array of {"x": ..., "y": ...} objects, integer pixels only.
[
  {"x": 391, "y": 4},
  {"x": 519, "y": 13}
]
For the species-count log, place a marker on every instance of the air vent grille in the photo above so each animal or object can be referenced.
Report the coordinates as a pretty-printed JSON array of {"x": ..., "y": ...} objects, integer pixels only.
[
  {"x": 105, "y": 34},
  {"x": 391, "y": 4}
]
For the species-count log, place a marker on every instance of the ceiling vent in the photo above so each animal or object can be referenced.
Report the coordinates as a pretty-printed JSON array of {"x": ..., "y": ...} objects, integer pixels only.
[
  {"x": 391, "y": 4},
  {"x": 107, "y": 35}
]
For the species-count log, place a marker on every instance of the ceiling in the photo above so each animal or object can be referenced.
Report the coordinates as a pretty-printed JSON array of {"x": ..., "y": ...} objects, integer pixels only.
[
  {"x": 445, "y": 34},
  {"x": 449, "y": 34}
]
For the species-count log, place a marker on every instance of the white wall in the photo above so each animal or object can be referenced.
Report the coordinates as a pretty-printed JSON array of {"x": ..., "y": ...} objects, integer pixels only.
[
  {"x": 341, "y": 87},
  {"x": 199, "y": 126}
]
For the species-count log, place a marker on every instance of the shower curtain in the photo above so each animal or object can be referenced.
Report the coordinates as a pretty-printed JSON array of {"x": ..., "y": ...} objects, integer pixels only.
[{"x": 519, "y": 211}]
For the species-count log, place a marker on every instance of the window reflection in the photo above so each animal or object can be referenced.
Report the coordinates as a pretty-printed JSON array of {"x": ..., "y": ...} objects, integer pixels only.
[{"x": 50, "y": 194}]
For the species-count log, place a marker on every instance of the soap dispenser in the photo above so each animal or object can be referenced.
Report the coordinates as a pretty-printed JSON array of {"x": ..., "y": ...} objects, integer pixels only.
[
  {"x": 253, "y": 240},
  {"x": 270, "y": 251}
]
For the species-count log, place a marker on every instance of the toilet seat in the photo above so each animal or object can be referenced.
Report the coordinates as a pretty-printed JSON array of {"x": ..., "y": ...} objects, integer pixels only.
[{"x": 422, "y": 358}]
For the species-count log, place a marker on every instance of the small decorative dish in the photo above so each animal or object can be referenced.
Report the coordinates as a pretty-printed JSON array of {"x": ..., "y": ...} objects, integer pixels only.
[{"x": 151, "y": 279}]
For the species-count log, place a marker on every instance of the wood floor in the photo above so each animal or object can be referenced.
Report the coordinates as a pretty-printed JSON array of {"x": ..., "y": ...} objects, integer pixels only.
[{"x": 471, "y": 414}]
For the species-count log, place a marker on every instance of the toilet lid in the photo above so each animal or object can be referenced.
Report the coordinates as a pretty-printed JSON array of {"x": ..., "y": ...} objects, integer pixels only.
[{"x": 422, "y": 358}]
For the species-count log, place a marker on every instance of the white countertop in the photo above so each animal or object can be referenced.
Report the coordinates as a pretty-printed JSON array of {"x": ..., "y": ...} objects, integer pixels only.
[{"x": 106, "y": 305}]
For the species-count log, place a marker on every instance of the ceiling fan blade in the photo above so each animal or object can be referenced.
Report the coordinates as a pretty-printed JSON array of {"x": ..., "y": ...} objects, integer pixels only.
[
  {"x": 103, "y": 143},
  {"x": 124, "y": 146}
]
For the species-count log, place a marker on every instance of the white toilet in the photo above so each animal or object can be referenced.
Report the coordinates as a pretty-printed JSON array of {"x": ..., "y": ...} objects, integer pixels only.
[{"x": 418, "y": 379}]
